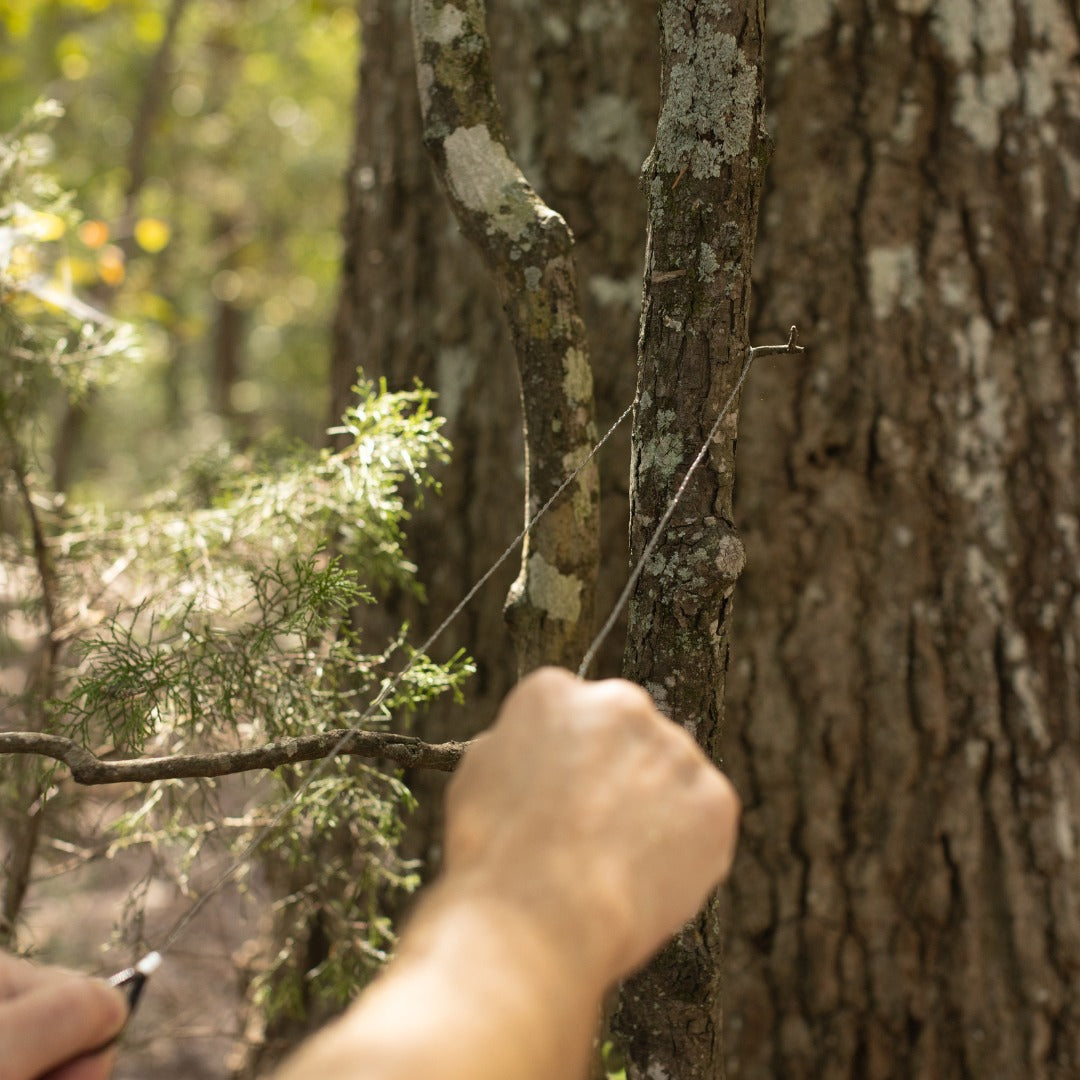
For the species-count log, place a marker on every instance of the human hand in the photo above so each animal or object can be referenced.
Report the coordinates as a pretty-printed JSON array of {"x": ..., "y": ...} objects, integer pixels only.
[
  {"x": 50, "y": 1019},
  {"x": 590, "y": 811}
]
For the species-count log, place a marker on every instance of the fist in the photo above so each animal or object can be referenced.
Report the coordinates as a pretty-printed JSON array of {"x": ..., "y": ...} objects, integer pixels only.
[{"x": 591, "y": 811}]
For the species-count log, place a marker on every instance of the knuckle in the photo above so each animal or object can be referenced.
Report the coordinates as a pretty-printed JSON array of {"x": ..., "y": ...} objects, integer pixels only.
[{"x": 625, "y": 703}]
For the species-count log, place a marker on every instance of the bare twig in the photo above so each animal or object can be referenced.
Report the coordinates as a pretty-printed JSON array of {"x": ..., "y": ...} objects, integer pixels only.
[
  {"x": 792, "y": 346},
  {"x": 87, "y": 768}
]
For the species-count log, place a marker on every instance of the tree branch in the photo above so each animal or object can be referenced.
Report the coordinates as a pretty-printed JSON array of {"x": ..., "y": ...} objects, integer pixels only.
[
  {"x": 792, "y": 346},
  {"x": 528, "y": 250},
  {"x": 86, "y": 768}
]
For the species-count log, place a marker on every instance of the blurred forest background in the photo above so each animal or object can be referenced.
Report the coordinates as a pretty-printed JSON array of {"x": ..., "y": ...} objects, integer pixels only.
[{"x": 205, "y": 144}]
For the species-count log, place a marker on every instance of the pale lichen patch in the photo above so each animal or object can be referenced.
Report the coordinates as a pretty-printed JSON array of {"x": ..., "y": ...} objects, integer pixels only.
[
  {"x": 1025, "y": 684},
  {"x": 953, "y": 24},
  {"x": 557, "y": 29},
  {"x": 1039, "y": 77},
  {"x": 1031, "y": 180},
  {"x": 894, "y": 279},
  {"x": 1061, "y": 787},
  {"x": 600, "y": 15},
  {"x": 425, "y": 80},
  {"x": 1047, "y": 20},
  {"x": 995, "y": 24},
  {"x": 980, "y": 103},
  {"x": 798, "y": 20},
  {"x": 658, "y": 692},
  {"x": 730, "y": 557},
  {"x": 987, "y": 581},
  {"x": 485, "y": 180},
  {"x": 977, "y": 473},
  {"x": 709, "y": 109},
  {"x": 664, "y": 453},
  {"x": 577, "y": 375},
  {"x": 907, "y": 120},
  {"x": 955, "y": 284},
  {"x": 617, "y": 291},
  {"x": 556, "y": 593},
  {"x": 708, "y": 263},
  {"x": 455, "y": 369},
  {"x": 966, "y": 28},
  {"x": 446, "y": 24}
]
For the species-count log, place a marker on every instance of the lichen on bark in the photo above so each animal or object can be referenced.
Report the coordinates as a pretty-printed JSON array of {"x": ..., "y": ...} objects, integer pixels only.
[{"x": 904, "y": 702}]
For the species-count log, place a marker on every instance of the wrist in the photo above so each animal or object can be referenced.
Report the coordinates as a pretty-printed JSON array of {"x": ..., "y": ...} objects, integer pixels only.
[{"x": 555, "y": 932}]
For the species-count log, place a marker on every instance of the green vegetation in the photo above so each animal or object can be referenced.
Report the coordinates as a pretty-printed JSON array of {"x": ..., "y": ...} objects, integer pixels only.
[{"x": 220, "y": 609}]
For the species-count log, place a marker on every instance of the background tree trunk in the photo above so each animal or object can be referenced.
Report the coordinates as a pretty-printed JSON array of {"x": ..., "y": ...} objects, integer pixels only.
[{"x": 903, "y": 708}]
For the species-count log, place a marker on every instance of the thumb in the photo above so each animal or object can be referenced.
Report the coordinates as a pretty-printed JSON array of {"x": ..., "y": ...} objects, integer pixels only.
[{"x": 51, "y": 1024}]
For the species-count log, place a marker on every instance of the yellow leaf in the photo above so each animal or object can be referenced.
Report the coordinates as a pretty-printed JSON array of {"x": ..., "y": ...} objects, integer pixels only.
[
  {"x": 74, "y": 67},
  {"x": 17, "y": 18},
  {"x": 71, "y": 270},
  {"x": 149, "y": 27},
  {"x": 152, "y": 306},
  {"x": 152, "y": 234},
  {"x": 110, "y": 265},
  {"x": 261, "y": 68}
]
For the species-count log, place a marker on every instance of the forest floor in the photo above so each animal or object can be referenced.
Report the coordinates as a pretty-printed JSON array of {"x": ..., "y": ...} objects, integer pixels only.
[{"x": 189, "y": 1020}]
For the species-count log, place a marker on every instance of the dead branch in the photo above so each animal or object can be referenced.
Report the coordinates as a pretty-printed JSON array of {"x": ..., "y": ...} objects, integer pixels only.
[{"x": 87, "y": 768}]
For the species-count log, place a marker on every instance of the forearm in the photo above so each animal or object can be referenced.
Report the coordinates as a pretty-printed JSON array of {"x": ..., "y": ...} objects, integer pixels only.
[{"x": 476, "y": 991}]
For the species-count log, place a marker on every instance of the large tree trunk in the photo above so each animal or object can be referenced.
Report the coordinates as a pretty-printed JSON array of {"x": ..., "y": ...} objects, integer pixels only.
[{"x": 904, "y": 706}]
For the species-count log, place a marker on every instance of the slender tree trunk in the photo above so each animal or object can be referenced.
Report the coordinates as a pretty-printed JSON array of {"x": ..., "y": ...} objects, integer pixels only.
[
  {"x": 703, "y": 180},
  {"x": 905, "y": 714},
  {"x": 26, "y": 789},
  {"x": 528, "y": 250}
]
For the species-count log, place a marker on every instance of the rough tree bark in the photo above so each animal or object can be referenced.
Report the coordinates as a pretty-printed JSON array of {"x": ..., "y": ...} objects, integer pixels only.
[
  {"x": 703, "y": 180},
  {"x": 904, "y": 706}
]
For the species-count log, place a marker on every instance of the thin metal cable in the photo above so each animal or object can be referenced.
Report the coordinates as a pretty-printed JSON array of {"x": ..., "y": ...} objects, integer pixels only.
[
  {"x": 388, "y": 687},
  {"x": 654, "y": 539}
]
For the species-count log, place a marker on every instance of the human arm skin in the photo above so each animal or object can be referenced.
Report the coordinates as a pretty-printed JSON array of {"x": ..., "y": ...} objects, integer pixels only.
[
  {"x": 581, "y": 832},
  {"x": 51, "y": 1019}
]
